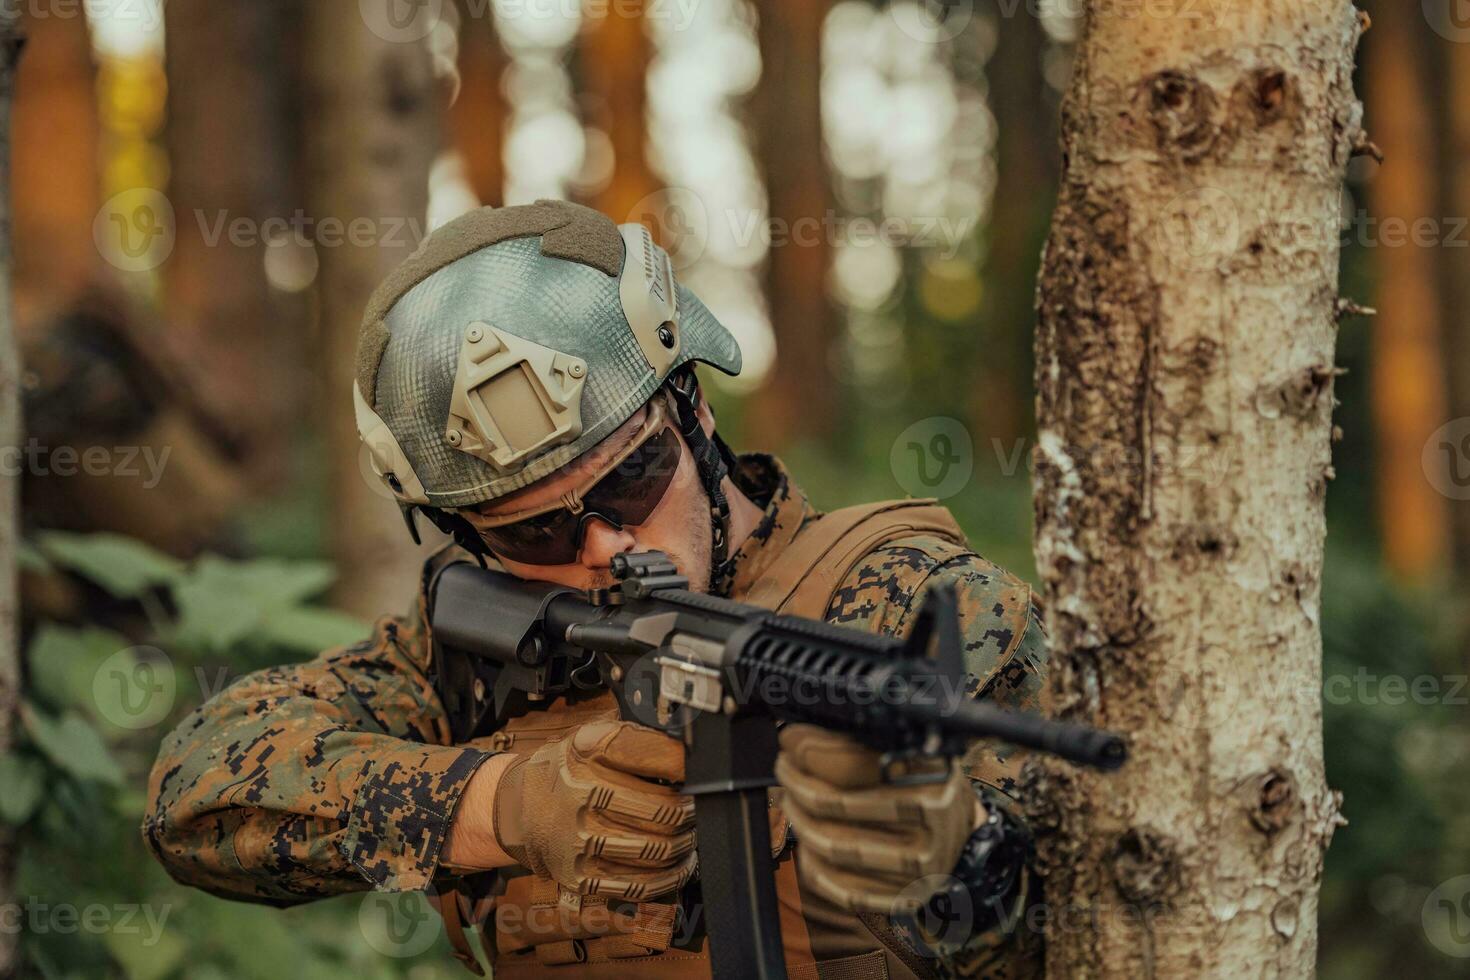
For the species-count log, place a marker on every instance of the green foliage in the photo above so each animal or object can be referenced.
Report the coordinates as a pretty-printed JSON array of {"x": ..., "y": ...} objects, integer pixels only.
[
  {"x": 64, "y": 662},
  {"x": 24, "y": 779},
  {"x": 224, "y": 604},
  {"x": 123, "y": 567},
  {"x": 1397, "y": 746},
  {"x": 95, "y": 903},
  {"x": 72, "y": 745}
]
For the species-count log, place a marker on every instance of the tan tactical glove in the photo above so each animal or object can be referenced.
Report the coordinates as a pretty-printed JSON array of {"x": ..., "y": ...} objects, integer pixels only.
[
  {"x": 863, "y": 843},
  {"x": 583, "y": 811}
]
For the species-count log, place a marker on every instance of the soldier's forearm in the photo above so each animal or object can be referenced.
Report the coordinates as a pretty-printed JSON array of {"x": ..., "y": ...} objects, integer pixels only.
[
  {"x": 472, "y": 844},
  {"x": 316, "y": 779}
]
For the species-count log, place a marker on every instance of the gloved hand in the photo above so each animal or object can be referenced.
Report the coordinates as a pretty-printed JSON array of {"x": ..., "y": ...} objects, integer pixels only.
[
  {"x": 863, "y": 842},
  {"x": 583, "y": 811}
]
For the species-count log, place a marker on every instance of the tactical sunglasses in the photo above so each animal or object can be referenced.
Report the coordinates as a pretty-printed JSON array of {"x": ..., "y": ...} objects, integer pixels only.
[{"x": 624, "y": 492}]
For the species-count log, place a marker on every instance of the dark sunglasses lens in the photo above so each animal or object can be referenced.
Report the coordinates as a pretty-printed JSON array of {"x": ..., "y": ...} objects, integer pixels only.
[
  {"x": 626, "y": 496},
  {"x": 636, "y": 485},
  {"x": 549, "y": 539}
]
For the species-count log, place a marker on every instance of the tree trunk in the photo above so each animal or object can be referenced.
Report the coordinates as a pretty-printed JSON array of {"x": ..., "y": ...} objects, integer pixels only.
[
  {"x": 1455, "y": 258},
  {"x": 10, "y": 435},
  {"x": 477, "y": 120},
  {"x": 372, "y": 131},
  {"x": 613, "y": 56},
  {"x": 1025, "y": 177},
  {"x": 230, "y": 160},
  {"x": 55, "y": 162},
  {"x": 799, "y": 399},
  {"x": 1407, "y": 383},
  {"x": 1185, "y": 344}
]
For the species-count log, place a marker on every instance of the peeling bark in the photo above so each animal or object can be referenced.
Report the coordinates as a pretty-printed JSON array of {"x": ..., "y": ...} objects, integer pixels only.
[{"x": 1187, "y": 322}]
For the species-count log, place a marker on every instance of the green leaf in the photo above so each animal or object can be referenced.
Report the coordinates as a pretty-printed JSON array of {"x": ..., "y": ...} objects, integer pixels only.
[
  {"x": 64, "y": 663},
  {"x": 223, "y": 602},
  {"x": 72, "y": 745},
  {"x": 29, "y": 559},
  {"x": 150, "y": 951},
  {"x": 308, "y": 630},
  {"x": 124, "y": 567},
  {"x": 24, "y": 779}
]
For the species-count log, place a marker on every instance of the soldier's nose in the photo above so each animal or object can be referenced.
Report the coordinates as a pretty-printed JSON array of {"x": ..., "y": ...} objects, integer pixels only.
[{"x": 600, "y": 541}]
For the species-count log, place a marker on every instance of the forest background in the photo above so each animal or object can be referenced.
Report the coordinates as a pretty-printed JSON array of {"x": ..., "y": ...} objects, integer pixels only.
[{"x": 203, "y": 195}]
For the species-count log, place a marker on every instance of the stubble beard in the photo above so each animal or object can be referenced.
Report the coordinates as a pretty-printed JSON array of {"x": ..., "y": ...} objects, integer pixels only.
[{"x": 693, "y": 561}]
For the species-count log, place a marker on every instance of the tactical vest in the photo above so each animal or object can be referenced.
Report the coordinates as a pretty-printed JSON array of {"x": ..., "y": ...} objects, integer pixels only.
[{"x": 527, "y": 932}]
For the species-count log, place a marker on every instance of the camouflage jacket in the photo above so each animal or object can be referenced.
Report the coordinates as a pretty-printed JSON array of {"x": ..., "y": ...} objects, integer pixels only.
[{"x": 338, "y": 774}]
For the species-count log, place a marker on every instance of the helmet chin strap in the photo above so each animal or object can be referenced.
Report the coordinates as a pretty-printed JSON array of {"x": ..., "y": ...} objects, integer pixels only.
[{"x": 714, "y": 461}]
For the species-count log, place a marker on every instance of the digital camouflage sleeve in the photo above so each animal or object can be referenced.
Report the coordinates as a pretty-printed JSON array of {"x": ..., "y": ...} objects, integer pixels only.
[
  {"x": 304, "y": 781},
  {"x": 337, "y": 775}
]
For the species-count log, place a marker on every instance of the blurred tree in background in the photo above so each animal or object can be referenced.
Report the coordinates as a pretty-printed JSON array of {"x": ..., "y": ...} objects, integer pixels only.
[{"x": 161, "y": 310}]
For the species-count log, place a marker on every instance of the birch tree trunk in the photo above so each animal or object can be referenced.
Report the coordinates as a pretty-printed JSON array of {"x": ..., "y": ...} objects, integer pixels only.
[
  {"x": 1185, "y": 344},
  {"x": 10, "y": 435}
]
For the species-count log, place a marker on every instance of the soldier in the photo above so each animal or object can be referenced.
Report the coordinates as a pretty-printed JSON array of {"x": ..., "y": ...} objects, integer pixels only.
[{"x": 525, "y": 382}]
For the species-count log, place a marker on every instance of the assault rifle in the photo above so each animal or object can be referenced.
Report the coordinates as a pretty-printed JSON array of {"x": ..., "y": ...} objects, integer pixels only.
[{"x": 720, "y": 675}]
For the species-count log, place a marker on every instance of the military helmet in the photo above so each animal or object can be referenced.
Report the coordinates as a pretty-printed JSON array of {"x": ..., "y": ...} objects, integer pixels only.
[{"x": 512, "y": 341}]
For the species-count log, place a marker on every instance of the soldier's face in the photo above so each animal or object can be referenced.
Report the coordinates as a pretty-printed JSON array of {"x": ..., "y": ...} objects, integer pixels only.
[{"x": 679, "y": 526}]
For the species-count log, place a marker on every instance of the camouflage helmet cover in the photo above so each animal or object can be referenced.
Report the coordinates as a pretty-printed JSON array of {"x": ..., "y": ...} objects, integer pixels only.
[{"x": 512, "y": 341}]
